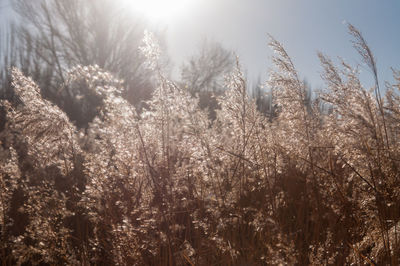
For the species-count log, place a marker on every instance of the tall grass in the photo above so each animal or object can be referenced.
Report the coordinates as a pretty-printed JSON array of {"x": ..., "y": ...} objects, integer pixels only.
[{"x": 168, "y": 186}]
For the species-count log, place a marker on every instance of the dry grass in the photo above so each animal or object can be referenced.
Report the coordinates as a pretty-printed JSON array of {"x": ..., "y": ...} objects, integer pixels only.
[{"x": 169, "y": 186}]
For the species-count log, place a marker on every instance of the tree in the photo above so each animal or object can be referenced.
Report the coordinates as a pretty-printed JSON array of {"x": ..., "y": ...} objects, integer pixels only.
[
  {"x": 54, "y": 36},
  {"x": 204, "y": 73}
]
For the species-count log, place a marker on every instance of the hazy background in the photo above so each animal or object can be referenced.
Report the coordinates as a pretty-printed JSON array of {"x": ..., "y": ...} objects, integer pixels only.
[{"x": 304, "y": 27}]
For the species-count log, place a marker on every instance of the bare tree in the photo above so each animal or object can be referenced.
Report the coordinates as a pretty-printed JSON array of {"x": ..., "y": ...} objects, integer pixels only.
[
  {"x": 62, "y": 34},
  {"x": 204, "y": 73}
]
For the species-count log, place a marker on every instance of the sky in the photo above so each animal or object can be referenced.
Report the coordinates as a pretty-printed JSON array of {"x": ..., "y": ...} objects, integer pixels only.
[{"x": 303, "y": 27}]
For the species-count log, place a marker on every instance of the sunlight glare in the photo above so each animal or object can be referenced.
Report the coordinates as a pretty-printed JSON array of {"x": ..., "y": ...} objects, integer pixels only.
[{"x": 161, "y": 10}]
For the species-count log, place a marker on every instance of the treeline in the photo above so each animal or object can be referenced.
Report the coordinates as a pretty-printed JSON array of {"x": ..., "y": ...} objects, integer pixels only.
[{"x": 48, "y": 38}]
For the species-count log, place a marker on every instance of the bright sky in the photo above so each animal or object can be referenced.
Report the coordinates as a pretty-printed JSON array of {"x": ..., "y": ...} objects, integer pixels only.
[{"x": 304, "y": 27}]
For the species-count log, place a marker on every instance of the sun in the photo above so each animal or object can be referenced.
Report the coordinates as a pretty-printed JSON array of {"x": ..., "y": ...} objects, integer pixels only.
[{"x": 161, "y": 10}]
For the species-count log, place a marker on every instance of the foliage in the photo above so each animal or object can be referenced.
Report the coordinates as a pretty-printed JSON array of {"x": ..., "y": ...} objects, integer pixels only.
[{"x": 168, "y": 186}]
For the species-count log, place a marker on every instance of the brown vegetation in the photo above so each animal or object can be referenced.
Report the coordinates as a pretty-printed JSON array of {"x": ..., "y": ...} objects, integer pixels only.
[{"x": 169, "y": 186}]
